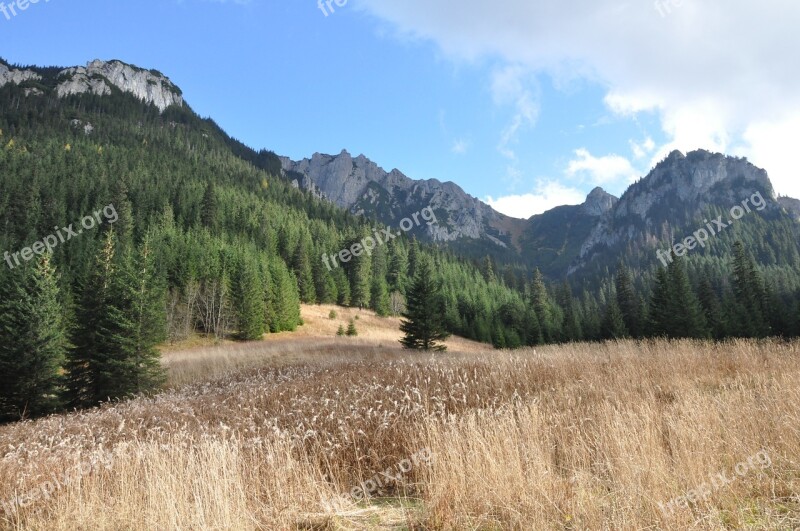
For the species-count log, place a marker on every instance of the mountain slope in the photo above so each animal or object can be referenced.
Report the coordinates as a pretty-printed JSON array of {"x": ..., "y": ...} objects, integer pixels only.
[{"x": 361, "y": 186}]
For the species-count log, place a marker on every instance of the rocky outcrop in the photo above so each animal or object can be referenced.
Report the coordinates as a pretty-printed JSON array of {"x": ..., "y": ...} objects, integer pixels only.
[
  {"x": 598, "y": 202},
  {"x": 361, "y": 186},
  {"x": 791, "y": 205},
  {"x": 8, "y": 75},
  {"x": 676, "y": 192},
  {"x": 98, "y": 77}
]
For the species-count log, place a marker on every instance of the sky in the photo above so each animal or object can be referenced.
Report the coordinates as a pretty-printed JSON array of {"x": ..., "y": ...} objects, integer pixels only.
[{"x": 526, "y": 104}]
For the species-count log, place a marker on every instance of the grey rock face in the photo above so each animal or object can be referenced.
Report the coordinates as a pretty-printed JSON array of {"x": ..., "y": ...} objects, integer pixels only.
[
  {"x": 98, "y": 76},
  {"x": 16, "y": 76},
  {"x": 599, "y": 202},
  {"x": 360, "y": 185},
  {"x": 697, "y": 179}
]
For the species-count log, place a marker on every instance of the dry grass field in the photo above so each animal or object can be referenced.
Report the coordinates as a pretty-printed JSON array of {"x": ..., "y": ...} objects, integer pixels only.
[{"x": 265, "y": 435}]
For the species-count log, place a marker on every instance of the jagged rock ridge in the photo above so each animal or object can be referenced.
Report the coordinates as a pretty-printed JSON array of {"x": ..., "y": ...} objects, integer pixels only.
[
  {"x": 360, "y": 185},
  {"x": 97, "y": 78}
]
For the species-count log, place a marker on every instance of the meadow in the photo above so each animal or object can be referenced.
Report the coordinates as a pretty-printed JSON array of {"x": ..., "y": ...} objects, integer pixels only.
[{"x": 584, "y": 436}]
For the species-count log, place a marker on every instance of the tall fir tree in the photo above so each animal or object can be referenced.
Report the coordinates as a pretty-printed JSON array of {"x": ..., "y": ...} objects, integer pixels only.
[
  {"x": 33, "y": 341},
  {"x": 249, "y": 300},
  {"x": 423, "y": 322},
  {"x": 146, "y": 291},
  {"x": 613, "y": 326},
  {"x": 629, "y": 302},
  {"x": 749, "y": 312}
]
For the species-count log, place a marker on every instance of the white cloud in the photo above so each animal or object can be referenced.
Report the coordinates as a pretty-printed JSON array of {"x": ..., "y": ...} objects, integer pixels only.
[
  {"x": 460, "y": 146},
  {"x": 510, "y": 87},
  {"x": 641, "y": 150},
  {"x": 720, "y": 75},
  {"x": 547, "y": 195},
  {"x": 610, "y": 169}
]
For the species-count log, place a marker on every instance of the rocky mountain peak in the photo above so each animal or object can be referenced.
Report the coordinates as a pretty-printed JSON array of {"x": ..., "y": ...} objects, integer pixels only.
[
  {"x": 598, "y": 202},
  {"x": 98, "y": 76}
]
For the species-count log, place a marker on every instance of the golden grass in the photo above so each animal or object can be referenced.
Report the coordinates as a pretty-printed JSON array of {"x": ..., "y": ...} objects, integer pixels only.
[{"x": 571, "y": 437}]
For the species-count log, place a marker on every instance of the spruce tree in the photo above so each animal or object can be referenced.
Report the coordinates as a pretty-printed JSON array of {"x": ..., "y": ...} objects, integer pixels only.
[
  {"x": 248, "y": 295},
  {"x": 423, "y": 322},
  {"x": 98, "y": 365},
  {"x": 208, "y": 209},
  {"x": 628, "y": 302},
  {"x": 712, "y": 308},
  {"x": 146, "y": 292},
  {"x": 751, "y": 320},
  {"x": 613, "y": 326},
  {"x": 33, "y": 341}
]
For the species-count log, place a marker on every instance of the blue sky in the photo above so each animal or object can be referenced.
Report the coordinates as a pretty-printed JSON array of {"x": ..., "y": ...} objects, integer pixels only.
[{"x": 525, "y": 105}]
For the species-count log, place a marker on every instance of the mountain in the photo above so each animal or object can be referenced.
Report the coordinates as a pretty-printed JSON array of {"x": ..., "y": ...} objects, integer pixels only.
[
  {"x": 362, "y": 187},
  {"x": 684, "y": 194},
  {"x": 552, "y": 240},
  {"x": 98, "y": 78}
]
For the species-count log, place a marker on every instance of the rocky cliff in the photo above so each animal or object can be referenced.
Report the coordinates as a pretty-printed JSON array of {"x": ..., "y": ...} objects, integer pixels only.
[
  {"x": 100, "y": 78},
  {"x": 361, "y": 186}
]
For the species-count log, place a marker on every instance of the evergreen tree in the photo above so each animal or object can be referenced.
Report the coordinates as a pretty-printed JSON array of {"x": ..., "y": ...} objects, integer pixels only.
[
  {"x": 249, "y": 301},
  {"x": 675, "y": 311},
  {"x": 305, "y": 277},
  {"x": 380, "y": 301},
  {"x": 99, "y": 367},
  {"x": 32, "y": 341},
  {"x": 628, "y": 302},
  {"x": 351, "y": 329},
  {"x": 570, "y": 324},
  {"x": 613, "y": 326},
  {"x": 423, "y": 321},
  {"x": 712, "y": 308},
  {"x": 341, "y": 331},
  {"x": 146, "y": 292},
  {"x": 749, "y": 293},
  {"x": 208, "y": 212}
]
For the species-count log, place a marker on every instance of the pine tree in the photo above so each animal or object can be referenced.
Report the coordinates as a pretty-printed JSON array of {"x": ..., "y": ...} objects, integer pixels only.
[
  {"x": 712, "y": 308},
  {"x": 32, "y": 341},
  {"x": 749, "y": 295},
  {"x": 380, "y": 297},
  {"x": 305, "y": 277},
  {"x": 99, "y": 367},
  {"x": 208, "y": 212},
  {"x": 570, "y": 324},
  {"x": 688, "y": 320},
  {"x": 675, "y": 311},
  {"x": 628, "y": 302},
  {"x": 248, "y": 296},
  {"x": 543, "y": 307},
  {"x": 351, "y": 329},
  {"x": 423, "y": 321},
  {"x": 341, "y": 331},
  {"x": 146, "y": 292},
  {"x": 285, "y": 298},
  {"x": 614, "y": 322}
]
